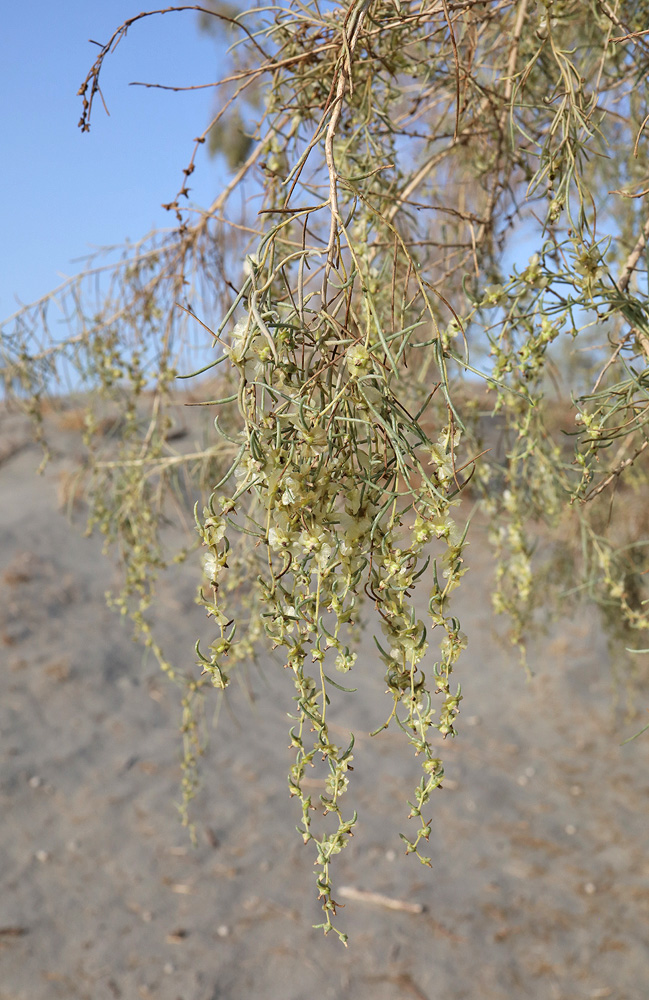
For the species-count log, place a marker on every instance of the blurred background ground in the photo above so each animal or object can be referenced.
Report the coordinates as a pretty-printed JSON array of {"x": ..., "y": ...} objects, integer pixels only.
[{"x": 540, "y": 885}]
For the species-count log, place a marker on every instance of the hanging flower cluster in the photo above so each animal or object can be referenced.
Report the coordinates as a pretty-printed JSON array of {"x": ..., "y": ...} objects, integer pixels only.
[{"x": 343, "y": 493}]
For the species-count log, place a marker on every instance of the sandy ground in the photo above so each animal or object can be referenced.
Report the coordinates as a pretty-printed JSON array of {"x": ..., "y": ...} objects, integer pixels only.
[{"x": 540, "y": 886}]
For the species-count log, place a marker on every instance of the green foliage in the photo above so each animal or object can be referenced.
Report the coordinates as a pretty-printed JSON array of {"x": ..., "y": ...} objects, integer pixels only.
[{"x": 403, "y": 156}]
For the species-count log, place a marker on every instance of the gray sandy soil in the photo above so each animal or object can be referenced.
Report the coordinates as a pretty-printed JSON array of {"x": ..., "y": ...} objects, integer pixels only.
[{"x": 540, "y": 885}]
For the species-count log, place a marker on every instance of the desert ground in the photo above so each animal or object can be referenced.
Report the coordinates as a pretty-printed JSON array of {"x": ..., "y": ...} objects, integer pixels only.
[{"x": 540, "y": 881}]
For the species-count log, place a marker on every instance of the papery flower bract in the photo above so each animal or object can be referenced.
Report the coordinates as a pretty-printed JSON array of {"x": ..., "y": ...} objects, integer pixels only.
[
  {"x": 345, "y": 661},
  {"x": 358, "y": 360},
  {"x": 210, "y": 565}
]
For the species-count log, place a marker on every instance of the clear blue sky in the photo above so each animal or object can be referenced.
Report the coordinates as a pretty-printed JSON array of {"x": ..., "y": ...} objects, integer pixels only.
[{"x": 64, "y": 193}]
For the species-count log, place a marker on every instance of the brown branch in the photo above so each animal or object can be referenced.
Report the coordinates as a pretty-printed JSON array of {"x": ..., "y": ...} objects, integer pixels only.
[
  {"x": 456, "y": 60},
  {"x": 633, "y": 258},
  {"x": 616, "y": 472},
  {"x": 355, "y": 17},
  {"x": 92, "y": 79},
  {"x": 272, "y": 64}
]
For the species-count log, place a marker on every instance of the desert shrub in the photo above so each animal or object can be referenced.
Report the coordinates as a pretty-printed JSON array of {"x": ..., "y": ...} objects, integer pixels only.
[{"x": 436, "y": 287}]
